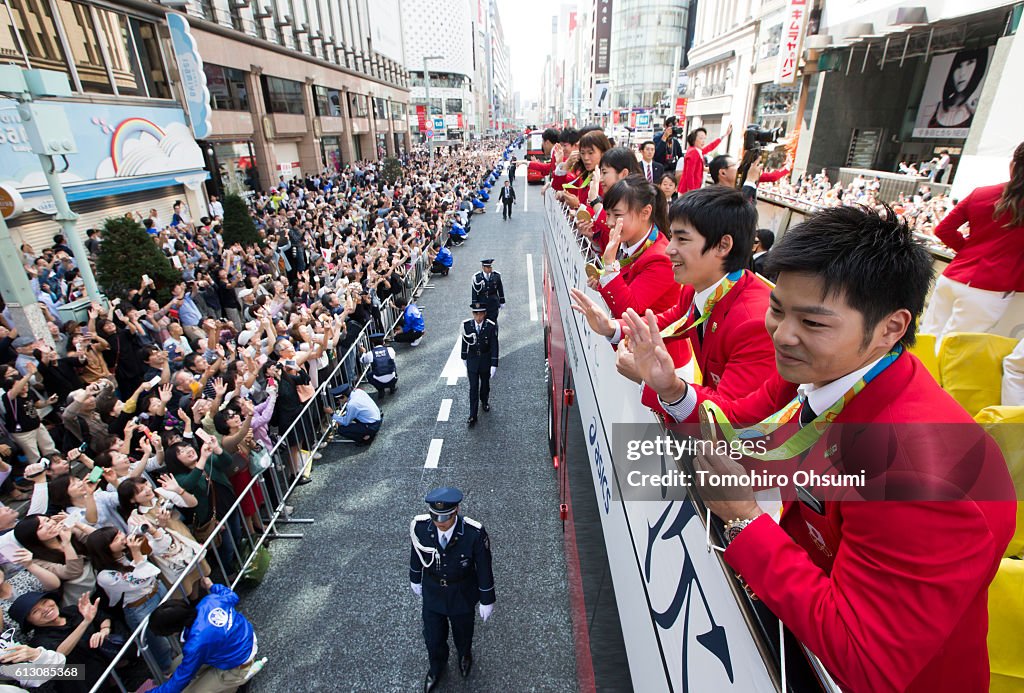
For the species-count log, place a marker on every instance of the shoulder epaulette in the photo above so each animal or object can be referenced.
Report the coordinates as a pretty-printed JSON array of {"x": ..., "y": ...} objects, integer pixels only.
[
  {"x": 492, "y": 322},
  {"x": 421, "y": 518},
  {"x": 471, "y": 522}
]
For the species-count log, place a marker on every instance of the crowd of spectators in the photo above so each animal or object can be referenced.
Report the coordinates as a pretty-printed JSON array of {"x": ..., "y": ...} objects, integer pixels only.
[
  {"x": 125, "y": 441},
  {"x": 812, "y": 192}
]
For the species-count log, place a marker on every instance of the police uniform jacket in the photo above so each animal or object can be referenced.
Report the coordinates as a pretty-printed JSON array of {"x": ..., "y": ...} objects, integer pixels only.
[
  {"x": 460, "y": 575},
  {"x": 487, "y": 288},
  {"x": 479, "y": 350}
]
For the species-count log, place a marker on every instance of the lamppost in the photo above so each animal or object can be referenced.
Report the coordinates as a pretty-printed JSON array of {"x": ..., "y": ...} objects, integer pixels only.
[{"x": 430, "y": 115}]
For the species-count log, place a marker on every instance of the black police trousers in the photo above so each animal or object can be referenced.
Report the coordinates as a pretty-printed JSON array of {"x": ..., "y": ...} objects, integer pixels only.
[
  {"x": 479, "y": 385},
  {"x": 435, "y": 634}
]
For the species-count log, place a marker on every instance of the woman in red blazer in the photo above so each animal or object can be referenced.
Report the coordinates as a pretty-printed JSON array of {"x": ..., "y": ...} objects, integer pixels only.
[
  {"x": 977, "y": 287},
  {"x": 890, "y": 594},
  {"x": 616, "y": 164},
  {"x": 578, "y": 180}
]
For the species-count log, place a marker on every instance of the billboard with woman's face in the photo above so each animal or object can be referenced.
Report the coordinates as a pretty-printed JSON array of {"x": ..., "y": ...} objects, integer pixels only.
[{"x": 951, "y": 93}]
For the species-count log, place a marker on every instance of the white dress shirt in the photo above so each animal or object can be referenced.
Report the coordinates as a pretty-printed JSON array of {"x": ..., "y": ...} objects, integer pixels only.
[
  {"x": 628, "y": 251},
  {"x": 447, "y": 534},
  {"x": 821, "y": 398}
]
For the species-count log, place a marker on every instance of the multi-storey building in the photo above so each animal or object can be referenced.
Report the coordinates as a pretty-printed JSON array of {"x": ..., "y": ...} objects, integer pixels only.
[{"x": 224, "y": 95}]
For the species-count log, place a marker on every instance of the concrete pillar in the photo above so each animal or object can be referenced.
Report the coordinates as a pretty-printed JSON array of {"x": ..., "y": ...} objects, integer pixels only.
[
  {"x": 262, "y": 146},
  {"x": 995, "y": 130},
  {"x": 347, "y": 148}
]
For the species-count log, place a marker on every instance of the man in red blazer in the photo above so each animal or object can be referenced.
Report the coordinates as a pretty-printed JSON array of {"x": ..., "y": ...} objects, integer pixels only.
[
  {"x": 692, "y": 176},
  {"x": 712, "y": 236},
  {"x": 891, "y": 595}
]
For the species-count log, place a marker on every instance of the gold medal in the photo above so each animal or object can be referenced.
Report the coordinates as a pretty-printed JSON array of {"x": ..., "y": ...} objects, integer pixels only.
[
  {"x": 708, "y": 429},
  {"x": 582, "y": 215},
  {"x": 592, "y": 271}
]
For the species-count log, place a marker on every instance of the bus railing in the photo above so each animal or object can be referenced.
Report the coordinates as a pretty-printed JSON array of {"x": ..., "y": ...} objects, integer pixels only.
[
  {"x": 233, "y": 545},
  {"x": 563, "y": 221}
]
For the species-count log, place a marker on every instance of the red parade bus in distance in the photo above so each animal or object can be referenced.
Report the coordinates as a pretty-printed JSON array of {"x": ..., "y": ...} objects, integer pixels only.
[
  {"x": 535, "y": 152},
  {"x": 676, "y": 619}
]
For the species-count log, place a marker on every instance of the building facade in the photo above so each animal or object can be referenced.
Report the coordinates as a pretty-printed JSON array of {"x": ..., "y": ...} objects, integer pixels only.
[
  {"x": 648, "y": 48},
  {"x": 230, "y": 96},
  {"x": 445, "y": 31}
]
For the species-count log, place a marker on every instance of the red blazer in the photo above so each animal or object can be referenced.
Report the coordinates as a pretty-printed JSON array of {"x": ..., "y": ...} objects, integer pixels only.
[
  {"x": 543, "y": 167},
  {"x": 772, "y": 176},
  {"x": 601, "y": 231},
  {"x": 647, "y": 282},
  {"x": 692, "y": 176},
  {"x": 992, "y": 256},
  {"x": 737, "y": 355},
  {"x": 890, "y": 595}
]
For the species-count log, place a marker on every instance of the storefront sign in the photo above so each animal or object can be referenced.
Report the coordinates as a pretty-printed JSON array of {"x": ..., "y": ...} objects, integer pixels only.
[
  {"x": 193, "y": 78},
  {"x": 602, "y": 36},
  {"x": 11, "y": 202},
  {"x": 602, "y": 100},
  {"x": 680, "y": 109},
  {"x": 792, "y": 38},
  {"x": 421, "y": 117},
  {"x": 139, "y": 146}
]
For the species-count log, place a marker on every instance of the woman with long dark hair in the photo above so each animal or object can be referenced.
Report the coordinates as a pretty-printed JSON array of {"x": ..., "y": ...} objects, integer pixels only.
[
  {"x": 978, "y": 285},
  {"x": 956, "y": 110},
  {"x": 59, "y": 549},
  {"x": 637, "y": 273},
  {"x": 128, "y": 578}
]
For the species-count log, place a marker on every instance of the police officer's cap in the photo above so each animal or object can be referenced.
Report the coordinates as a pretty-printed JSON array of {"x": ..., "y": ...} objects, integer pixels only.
[
  {"x": 376, "y": 336},
  {"x": 443, "y": 502},
  {"x": 478, "y": 307},
  {"x": 341, "y": 391},
  {"x": 487, "y": 262}
]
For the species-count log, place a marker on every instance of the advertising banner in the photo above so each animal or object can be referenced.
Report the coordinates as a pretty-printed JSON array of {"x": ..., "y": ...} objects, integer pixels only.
[
  {"x": 951, "y": 93},
  {"x": 792, "y": 38},
  {"x": 602, "y": 36},
  {"x": 602, "y": 100},
  {"x": 193, "y": 78}
]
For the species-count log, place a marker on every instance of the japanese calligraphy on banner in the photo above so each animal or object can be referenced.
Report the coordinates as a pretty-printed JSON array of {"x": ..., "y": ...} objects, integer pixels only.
[
  {"x": 792, "y": 38},
  {"x": 421, "y": 117},
  {"x": 680, "y": 109},
  {"x": 602, "y": 35}
]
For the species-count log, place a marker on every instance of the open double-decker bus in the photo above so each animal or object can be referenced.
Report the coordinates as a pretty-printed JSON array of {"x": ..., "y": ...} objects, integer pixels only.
[{"x": 648, "y": 585}]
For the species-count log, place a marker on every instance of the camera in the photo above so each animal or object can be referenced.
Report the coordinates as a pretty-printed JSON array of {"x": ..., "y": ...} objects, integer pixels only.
[
  {"x": 756, "y": 136},
  {"x": 677, "y": 131}
]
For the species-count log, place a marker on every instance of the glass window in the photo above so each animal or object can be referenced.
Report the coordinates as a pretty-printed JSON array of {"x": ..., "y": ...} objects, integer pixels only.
[
  {"x": 85, "y": 48},
  {"x": 380, "y": 108},
  {"x": 357, "y": 107},
  {"x": 435, "y": 107},
  {"x": 147, "y": 43},
  {"x": 283, "y": 95},
  {"x": 227, "y": 88},
  {"x": 453, "y": 105},
  {"x": 327, "y": 101},
  {"x": 34, "y": 25},
  {"x": 398, "y": 110},
  {"x": 121, "y": 53}
]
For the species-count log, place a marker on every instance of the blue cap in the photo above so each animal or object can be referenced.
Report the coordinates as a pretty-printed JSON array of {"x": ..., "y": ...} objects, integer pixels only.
[
  {"x": 442, "y": 501},
  {"x": 478, "y": 307},
  {"x": 341, "y": 391}
]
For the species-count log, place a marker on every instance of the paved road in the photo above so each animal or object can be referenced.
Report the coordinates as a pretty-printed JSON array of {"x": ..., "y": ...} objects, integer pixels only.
[{"x": 335, "y": 612}]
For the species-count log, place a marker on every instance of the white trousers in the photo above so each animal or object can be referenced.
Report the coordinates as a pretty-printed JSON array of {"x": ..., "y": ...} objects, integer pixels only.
[
  {"x": 956, "y": 307},
  {"x": 1013, "y": 377}
]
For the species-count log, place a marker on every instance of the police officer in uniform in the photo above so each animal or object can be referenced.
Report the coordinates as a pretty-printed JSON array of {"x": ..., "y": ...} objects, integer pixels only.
[
  {"x": 383, "y": 373},
  {"x": 488, "y": 290},
  {"x": 480, "y": 352},
  {"x": 450, "y": 567}
]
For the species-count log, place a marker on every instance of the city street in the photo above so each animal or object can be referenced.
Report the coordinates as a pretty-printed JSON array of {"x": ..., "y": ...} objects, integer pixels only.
[{"x": 335, "y": 611}]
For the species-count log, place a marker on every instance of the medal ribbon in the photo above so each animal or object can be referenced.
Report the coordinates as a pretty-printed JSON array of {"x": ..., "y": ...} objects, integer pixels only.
[
  {"x": 628, "y": 260},
  {"x": 573, "y": 186},
  {"x": 677, "y": 328},
  {"x": 806, "y": 437}
]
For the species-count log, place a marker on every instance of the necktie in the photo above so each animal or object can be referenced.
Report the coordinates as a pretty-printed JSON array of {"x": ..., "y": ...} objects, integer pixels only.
[
  {"x": 700, "y": 327},
  {"x": 807, "y": 414},
  {"x": 650, "y": 174},
  {"x": 444, "y": 541},
  {"x": 478, "y": 328}
]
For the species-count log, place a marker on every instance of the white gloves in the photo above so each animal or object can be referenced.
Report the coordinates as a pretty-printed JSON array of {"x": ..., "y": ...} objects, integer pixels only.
[
  {"x": 485, "y": 611},
  {"x": 494, "y": 369},
  {"x": 417, "y": 588}
]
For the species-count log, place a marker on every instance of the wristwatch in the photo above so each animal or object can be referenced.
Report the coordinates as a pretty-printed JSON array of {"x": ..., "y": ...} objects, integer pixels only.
[{"x": 734, "y": 527}]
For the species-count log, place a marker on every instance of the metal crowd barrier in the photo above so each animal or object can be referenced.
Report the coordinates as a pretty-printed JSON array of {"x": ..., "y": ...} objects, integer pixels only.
[{"x": 290, "y": 456}]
